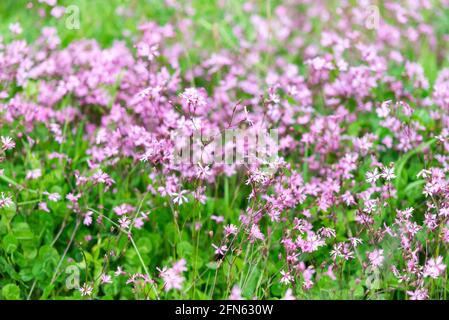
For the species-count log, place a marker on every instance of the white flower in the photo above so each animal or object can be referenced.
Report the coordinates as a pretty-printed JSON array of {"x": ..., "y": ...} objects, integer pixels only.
[
  {"x": 7, "y": 143},
  {"x": 5, "y": 201},
  {"x": 286, "y": 277},
  {"x": 220, "y": 250},
  {"x": 180, "y": 197},
  {"x": 86, "y": 290},
  {"x": 124, "y": 222},
  {"x": 372, "y": 176},
  {"x": 388, "y": 173}
]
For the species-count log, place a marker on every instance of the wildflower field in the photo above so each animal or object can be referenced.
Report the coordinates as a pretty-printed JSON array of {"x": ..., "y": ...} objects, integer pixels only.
[{"x": 224, "y": 149}]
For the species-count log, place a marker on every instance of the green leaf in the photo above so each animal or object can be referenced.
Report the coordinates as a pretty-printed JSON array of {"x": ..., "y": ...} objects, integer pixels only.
[
  {"x": 46, "y": 262},
  {"x": 212, "y": 265},
  {"x": 251, "y": 283},
  {"x": 184, "y": 249},
  {"x": 9, "y": 212},
  {"x": 26, "y": 274},
  {"x": 22, "y": 231},
  {"x": 10, "y": 243},
  {"x": 144, "y": 245},
  {"x": 401, "y": 179},
  {"x": 11, "y": 292}
]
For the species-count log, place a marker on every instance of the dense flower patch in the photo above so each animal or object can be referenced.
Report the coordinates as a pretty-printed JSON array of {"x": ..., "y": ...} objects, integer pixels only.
[{"x": 353, "y": 204}]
